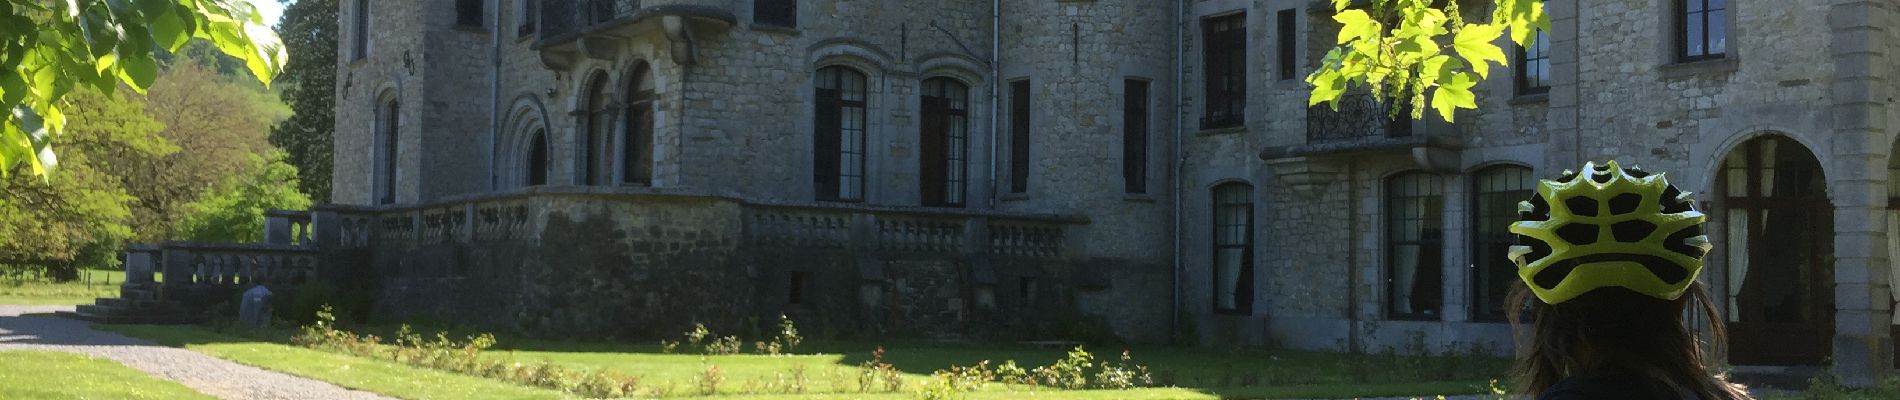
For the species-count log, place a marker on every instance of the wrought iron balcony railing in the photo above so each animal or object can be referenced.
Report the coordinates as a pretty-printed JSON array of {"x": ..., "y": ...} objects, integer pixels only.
[{"x": 1360, "y": 116}]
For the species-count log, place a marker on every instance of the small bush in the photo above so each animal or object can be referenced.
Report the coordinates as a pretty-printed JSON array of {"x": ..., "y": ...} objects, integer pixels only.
[{"x": 463, "y": 357}]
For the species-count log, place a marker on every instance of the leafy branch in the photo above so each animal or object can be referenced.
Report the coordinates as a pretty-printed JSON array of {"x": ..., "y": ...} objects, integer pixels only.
[{"x": 1414, "y": 52}]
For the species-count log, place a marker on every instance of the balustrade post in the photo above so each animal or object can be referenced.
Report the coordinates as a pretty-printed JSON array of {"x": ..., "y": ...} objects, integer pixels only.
[
  {"x": 140, "y": 260},
  {"x": 976, "y": 236},
  {"x": 277, "y": 228},
  {"x": 1074, "y": 241},
  {"x": 467, "y": 227},
  {"x": 326, "y": 229},
  {"x": 863, "y": 233}
]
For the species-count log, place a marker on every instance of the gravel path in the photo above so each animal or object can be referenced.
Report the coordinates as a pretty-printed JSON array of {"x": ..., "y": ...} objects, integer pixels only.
[{"x": 206, "y": 374}]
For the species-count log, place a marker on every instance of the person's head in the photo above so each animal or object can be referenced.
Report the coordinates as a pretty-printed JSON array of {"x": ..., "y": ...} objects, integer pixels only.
[{"x": 1608, "y": 259}]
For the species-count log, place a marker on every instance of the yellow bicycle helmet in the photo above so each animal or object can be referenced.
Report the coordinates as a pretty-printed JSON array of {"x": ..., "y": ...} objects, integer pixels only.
[{"x": 1608, "y": 227}]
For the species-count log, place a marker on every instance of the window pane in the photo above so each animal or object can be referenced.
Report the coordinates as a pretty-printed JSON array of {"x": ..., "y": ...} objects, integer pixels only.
[
  {"x": 1693, "y": 36},
  {"x": 1692, "y": 6},
  {"x": 1718, "y": 32}
]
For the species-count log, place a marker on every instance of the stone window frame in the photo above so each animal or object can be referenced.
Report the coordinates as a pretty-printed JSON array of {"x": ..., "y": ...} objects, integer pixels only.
[
  {"x": 594, "y": 113},
  {"x": 385, "y": 147},
  {"x": 1522, "y": 59},
  {"x": 641, "y": 91},
  {"x": 1679, "y": 29},
  {"x": 1022, "y": 128},
  {"x": 875, "y": 64},
  {"x": 1232, "y": 118},
  {"x": 527, "y": 17},
  {"x": 1136, "y": 179},
  {"x": 1432, "y": 184},
  {"x": 527, "y": 116},
  {"x": 359, "y": 32},
  {"x": 858, "y": 145},
  {"x": 956, "y": 189},
  {"x": 789, "y": 21},
  {"x": 1287, "y": 44},
  {"x": 1672, "y": 66},
  {"x": 1244, "y": 280},
  {"x": 1478, "y": 241}
]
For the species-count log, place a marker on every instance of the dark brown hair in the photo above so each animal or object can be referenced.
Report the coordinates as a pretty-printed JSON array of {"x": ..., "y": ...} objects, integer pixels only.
[{"x": 1617, "y": 332}]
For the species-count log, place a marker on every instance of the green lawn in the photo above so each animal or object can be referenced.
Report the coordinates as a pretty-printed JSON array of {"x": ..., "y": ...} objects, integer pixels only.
[
  {"x": 53, "y": 375},
  {"x": 92, "y": 284},
  {"x": 1197, "y": 374}
]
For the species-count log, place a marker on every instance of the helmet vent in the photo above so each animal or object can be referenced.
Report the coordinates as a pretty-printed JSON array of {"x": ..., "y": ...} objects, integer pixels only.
[
  {"x": 1578, "y": 234},
  {"x": 1678, "y": 242},
  {"x": 1632, "y": 230},
  {"x": 1582, "y": 206},
  {"x": 1553, "y": 275},
  {"x": 1539, "y": 249},
  {"x": 1625, "y": 203}
]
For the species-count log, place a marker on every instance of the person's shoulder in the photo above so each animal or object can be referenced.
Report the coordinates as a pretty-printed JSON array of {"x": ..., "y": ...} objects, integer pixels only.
[{"x": 1596, "y": 388}]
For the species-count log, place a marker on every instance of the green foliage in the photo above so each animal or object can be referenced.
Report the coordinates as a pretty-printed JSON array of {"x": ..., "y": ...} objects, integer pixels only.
[
  {"x": 309, "y": 83},
  {"x": 463, "y": 357},
  {"x": 234, "y": 212},
  {"x": 80, "y": 218},
  {"x": 1414, "y": 52},
  {"x": 48, "y": 49}
]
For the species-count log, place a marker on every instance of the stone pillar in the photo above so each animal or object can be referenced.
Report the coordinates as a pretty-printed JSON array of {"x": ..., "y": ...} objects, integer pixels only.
[
  {"x": 1863, "y": 343},
  {"x": 1562, "y": 118},
  {"x": 276, "y": 229}
]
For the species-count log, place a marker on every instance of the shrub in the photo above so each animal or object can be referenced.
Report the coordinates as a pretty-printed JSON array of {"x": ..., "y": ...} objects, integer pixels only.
[{"x": 463, "y": 357}]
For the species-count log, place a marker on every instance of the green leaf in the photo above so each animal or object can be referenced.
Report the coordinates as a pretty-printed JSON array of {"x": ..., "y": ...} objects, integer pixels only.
[
  {"x": 1474, "y": 42},
  {"x": 1340, "y": 5},
  {"x": 1438, "y": 66},
  {"x": 1453, "y": 93},
  {"x": 1355, "y": 24},
  {"x": 138, "y": 70},
  {"x": 168, "y": 30}
]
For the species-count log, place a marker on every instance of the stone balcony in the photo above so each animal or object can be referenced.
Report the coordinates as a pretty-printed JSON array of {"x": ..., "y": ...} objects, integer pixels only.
[
  {"x": 1361, "y": 127},
  {"x": 596, "y": 28}
]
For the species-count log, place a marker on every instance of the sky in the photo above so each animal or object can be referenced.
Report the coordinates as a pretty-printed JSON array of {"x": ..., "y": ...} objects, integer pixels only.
[{"x": 271, "y": 10}]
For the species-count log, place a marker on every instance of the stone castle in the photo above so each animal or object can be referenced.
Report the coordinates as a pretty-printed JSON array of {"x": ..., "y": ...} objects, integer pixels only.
[{"x": 1146, "y": 169}]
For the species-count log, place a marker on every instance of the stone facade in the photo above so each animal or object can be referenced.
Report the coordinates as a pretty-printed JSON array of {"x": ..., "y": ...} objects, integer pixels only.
[{"x": 734, "y": 111}]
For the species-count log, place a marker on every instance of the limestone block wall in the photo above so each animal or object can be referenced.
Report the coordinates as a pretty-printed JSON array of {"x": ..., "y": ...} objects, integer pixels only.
[{"x": 395, "y": 29}]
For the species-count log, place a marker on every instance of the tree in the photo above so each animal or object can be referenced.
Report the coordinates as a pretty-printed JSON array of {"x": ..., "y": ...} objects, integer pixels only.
[
  {"x": 309, "y": 84},
  {"x": 49, "y": 48},
  {"x": 234, "y": 212},
  {"x": 1418, "y": 53},
  {"x": 218, "y": 122},
  {"x": 79, "y": 217}
]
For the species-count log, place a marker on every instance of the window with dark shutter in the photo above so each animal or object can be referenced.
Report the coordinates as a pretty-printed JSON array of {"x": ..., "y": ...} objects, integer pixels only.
[
  {"x": 597, "y": 118},
  {"x": 838, "y": 143},
  {"x": 538, "y": 159},
  {"x": 392, "y": 114},
  {"x": 943, "y": 143},
  {"x": 468, "y": 13},
  {"x": 359, "y": 40},
  {"x": 1701, "y": 29},
  {"x": 1019, "y": 136},
  {"x": 637, "y": 146},
  {"x": 1135, "y": 136},
  {"x": 529, "y": 16},
  {"x": 781, "y": 13},
  {"x": 1414, "y": 245},
  {"x": 1533, "y": 66},
  {"x": 1225, "y": 71},
  {"x": 1233, "y": 248},
  {"x": 1494, "y": 207},
  {"x": 1287, "y": 25}
]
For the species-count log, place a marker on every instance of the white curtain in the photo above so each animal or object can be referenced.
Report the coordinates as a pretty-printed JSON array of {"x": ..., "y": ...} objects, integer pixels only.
[
  {"x": 1227, "y": 277},
  {"x": 1406, "y": 260}
]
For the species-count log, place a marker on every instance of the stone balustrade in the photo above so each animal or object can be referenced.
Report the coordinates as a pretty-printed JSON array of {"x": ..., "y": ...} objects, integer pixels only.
[
  {"x": 287, "y": 227},
  {"x": 908, "y": 230},
  {"x": 232, "y": 264}
]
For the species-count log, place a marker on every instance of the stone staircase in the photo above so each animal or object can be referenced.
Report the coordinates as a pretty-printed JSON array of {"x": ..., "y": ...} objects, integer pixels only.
[{"x": 135, "y": 305}]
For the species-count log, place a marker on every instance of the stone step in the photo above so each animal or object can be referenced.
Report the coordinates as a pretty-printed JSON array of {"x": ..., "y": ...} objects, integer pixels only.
[{"x": 125, "y": 319}]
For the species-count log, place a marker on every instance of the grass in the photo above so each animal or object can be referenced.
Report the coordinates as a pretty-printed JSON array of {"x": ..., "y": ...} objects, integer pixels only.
[
  {"x": 92, "y": 284},
  {"x": 830, "y": 370},
  {"x": 27, "y": 374}
]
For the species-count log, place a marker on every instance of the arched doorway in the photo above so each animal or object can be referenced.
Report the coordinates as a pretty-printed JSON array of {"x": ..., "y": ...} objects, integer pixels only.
[{"x": 1780, "y": 245}]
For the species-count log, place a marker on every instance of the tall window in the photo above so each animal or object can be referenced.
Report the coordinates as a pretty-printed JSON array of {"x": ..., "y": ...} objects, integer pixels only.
[
  {"x": 1226, "y": 70},
  {"x": 1288, "y": 35},
  {"x": 538, "y": 158},
  {"x": 1778, "y": 227},
  {"x": 1019, "y": 136},
  {"x": 388, "y": 127},
  {"x": 839, "y": 162},
  {"x": 359, "y": 33},
  {"x": 1233, "y": 248},
  {"x": 944, "y": 143},
  {"x": 1135, "y": 136},
  {"x": 637, "y": 147},
  {"x": 783, "y": 13},
  {"x": 599, "y": 123},
  {"x": 1497, "y": 190},
  {"x": 528, "y": 13},
  {"x": 1702, "y": 29},
  {"x": 468, "y": 12},
  {"x": 1533, "y": 71},
  {"x": 1414, "y": 241}
]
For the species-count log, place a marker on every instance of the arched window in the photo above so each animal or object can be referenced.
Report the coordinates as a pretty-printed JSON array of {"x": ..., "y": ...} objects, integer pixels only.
[
  {"x": 598, "y": 123},
  {"x": 1233, "y": 248},
  {"x": 1495, "y": 194},
  {"x": 1779, "y": 251},
  {"x": 838, "y": 165},
  {"x": 637, "y": 146},
  {"x": 943, "y": 143},
  {"x": 538, "y": 158},
  {"x": 387, "y": 145},
  {"x": 1414, "y": 206}
]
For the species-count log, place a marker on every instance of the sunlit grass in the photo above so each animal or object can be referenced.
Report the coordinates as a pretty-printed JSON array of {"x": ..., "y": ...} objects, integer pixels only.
[
  {"x": 92, "y": 284},
  {"x": 52, "y": 375}
]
